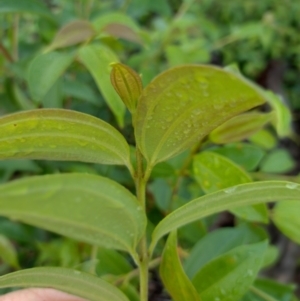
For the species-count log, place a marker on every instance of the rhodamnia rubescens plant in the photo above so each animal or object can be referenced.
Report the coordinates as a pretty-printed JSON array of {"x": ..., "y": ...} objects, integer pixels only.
[{"x": 178, "y": 112}]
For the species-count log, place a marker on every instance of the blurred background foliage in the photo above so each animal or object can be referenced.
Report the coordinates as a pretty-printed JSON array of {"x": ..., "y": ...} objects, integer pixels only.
[{"x": 56, "y": 54}]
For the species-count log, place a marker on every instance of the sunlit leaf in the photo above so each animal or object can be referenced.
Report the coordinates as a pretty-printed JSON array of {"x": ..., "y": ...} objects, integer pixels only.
[
  {"x": 214, "y": 172},
  {"x": 240, "y": 127},
  {"x": 184, "y": 104},
  {"x": 28, "y": 6},
  {"x": 88, "y": 208},
  {"x": 72, "y": 33},
  {"x": 54, "y": 134},
  {"x": 70, "y": 281},
  {"x": 286, "y": 218},
  {"x": 173, "y": 277},
  {"x": 229, "y": 276},
  {"x": 97, "y": 59},
  {"x": 226, "y": 239},
  {"x": 232, "y": 197},
  {"x": 44, "y": 71}
]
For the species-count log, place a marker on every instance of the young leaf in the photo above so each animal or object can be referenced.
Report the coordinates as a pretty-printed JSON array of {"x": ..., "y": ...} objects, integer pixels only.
[
  {"x": 182, "y": 105},
  {"x": 70, "y": 281},
  {"x": 72, "y": 33},
  {"x": 44, "y": 71},
  {"x": 232, "y": 197},
  {"x": 226, "y": 239},
  {"x": 214, "y": 172},
  {"x": 286, "y": 218},
  {"x": 127, "y": 84},
  {"x": 229, "y": 276},
  {"x": 8, "y": 253},
  {"x": 240, "y": 127},
  {"x": 171, "y": 272},
  {"x": 97, "y": 59},
  {"x": 54, "y": 134},
  {"x": 88, "y": 208}
]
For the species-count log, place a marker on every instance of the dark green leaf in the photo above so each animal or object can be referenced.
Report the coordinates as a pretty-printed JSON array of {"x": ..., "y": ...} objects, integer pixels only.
[
  {"x": 172, "y": 274},
  {"x": 229, "y": 276},
  {"x": 85, "y": 207},
  {"x": 70, "y": 281}
]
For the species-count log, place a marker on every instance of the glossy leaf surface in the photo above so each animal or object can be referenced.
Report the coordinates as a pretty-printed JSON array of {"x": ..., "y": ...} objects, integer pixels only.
[
  {"x": 173, "y": 277},
  {"x": 229, "y": 276},
  {"x": 240, "y": 127},
  {"x": 97, "y": 60},
  {"x": 182, "y": 105},
  {"x": 286, "y": 218},
  {"x": 88, "y": 208},
  {"x": 44, "y": 71},
  {"x": 225, "y": 239},
  {"x": 70, "y": 281},
  {"x": 72, "y": 33},
  {"x": 214, "y": 172},
  {"x": 54, "y": 134},
  {"x": 233, "y": 197}
]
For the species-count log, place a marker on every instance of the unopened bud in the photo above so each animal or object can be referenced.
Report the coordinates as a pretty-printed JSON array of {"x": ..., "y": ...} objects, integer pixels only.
[{"x": 127, "y": 83}]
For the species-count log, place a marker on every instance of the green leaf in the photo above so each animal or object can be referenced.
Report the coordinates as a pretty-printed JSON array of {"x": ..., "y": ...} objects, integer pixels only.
[
  {"x": 28, "y": 6},
  {"x": 244, "y": 154},
  {"x": 240, "y": 127},
  {"x": 184, "y": 104},
  {"x": 97, "y": 59},
  {"x": 71, "y": 34},
  {"x": 264, "y": 139},
  {"x": 54, "y": 134},
  {"x": 8, "y": 252},
  {"x": 286, "y": 217},
  {"x": 70, "y": 281},
  {"x": 233, "y": 197},
  {"x": 229, "y": 276},
  {"x": 226, "y": 239},
  {"x": 214, "y": 172},
  {"x": 278, "y": 161},
  {"x": 88, "y": 208},
  {"x": 173, "y": 277},
  {"x": 269, "y": 290},
  {"x": 44, "y": 71}
]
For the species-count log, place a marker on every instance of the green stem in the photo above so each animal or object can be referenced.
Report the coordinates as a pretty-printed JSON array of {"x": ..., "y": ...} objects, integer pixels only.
[{"x": 140, "y": 182}]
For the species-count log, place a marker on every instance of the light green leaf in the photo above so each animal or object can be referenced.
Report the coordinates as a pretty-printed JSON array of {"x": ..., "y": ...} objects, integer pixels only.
[
  {"x": 8, "y": 253},
  {"x": 173, "y": 277},
  {"x": 286, "y": 217},
  {"x": 71, "y": 34},
  {"x": 229, "y": 276},
  {"x": 88, "y": 208},
  {"x": 70, "y": 281},
  {"x": 214, "y": 172},
  {"x": 28, "y": 6},
  {"x": 240, "y": 127},
  {"x": 233, "y": 197},
  {"x": 97, "y": 59},
  {"x": 246, "y": 155},
  {"x": 55, "y": 134},
  {"x": 226, "y": 239},
  {"x": 44, "y": 71},
  {"x": 182, "y": 105}
]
